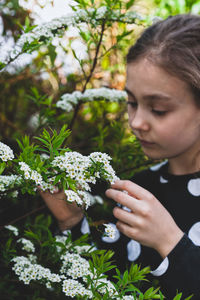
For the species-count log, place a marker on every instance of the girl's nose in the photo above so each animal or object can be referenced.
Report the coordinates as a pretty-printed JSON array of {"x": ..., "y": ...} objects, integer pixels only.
[{"x": 138, "y": 120}]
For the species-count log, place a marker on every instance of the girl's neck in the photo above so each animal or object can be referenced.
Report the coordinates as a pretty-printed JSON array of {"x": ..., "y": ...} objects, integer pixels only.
[{"x": 181, "y": 165}]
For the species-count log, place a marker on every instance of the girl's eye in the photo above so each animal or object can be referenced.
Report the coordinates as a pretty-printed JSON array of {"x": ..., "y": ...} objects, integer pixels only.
[
  {"x": 132, "y": 104},
  {"x": 159, "y": 112}
]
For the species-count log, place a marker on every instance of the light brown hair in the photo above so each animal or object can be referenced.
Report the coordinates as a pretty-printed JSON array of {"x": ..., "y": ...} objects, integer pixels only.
[{"x": 174, "y": 45}]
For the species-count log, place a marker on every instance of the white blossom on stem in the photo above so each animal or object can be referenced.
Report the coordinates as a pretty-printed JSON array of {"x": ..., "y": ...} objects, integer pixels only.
[
  {"x": 110, "y": 230},
  {"x": 74, "y": 288},
  {"x": 48, "y": 30},
  {"x": 6, "y": 152},
  {"x": 13, "y": 229},
  {"x": 27, "y": 271},
  {"x": 68, "y": 101},
  {"x": 27, "y": 245},
  {"x": 7, "y": 181}
]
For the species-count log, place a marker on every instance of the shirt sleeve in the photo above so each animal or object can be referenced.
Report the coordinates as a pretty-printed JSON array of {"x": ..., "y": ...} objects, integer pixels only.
[{"x": 183, "y": 272}]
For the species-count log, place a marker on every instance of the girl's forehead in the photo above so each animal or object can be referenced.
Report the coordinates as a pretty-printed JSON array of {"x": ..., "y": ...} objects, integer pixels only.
[{"x": 144, "y": 77}]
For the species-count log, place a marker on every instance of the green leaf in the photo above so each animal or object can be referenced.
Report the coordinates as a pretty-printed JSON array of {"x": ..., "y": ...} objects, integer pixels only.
[
  {"x": 2, "y": 167},
  {"x": 32, "y": 235},
  {"x": 52, "y": 53},
  {"x": 129, "y": 4},
  {"x": 2, "y": 65},
  {"x": 178, "y": 296},
  {"x": 43, "y": 141}
]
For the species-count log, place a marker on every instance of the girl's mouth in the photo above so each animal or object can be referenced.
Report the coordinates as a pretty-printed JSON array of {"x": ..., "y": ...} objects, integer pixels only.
[{"x": 146, "y": 143}]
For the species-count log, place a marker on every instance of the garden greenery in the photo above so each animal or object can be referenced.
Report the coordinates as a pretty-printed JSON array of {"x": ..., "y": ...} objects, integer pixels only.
[{"x": 60, "y": 129}]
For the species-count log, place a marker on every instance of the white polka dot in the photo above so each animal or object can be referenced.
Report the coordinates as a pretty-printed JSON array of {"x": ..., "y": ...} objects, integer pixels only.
[
  {"x": 158, "y": 166},
  {"x": 194, "y": 186},
  {"x": 194, "y": 233},
  {"x": 107, "y": 239},
  {"x": 66, "y": 232},
  {"x": 162, "y": 268},
  {"x": 163, "y": 180},
  {"x": 126, "y": 208},
  {"x": 85, "y": 226},
  {"x": 134, "y": 250}
]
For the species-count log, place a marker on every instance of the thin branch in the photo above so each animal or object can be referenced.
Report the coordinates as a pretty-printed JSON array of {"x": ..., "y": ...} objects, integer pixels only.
[
  {"x": 24, "y": 216},
  {"x": 90, "y": 75}
]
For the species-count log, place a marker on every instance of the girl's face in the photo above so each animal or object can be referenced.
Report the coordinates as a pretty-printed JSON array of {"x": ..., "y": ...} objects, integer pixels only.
[{"x": 162, "y": 112}]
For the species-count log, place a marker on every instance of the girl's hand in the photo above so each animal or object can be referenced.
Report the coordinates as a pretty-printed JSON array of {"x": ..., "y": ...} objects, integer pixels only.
[
  {"x": 67, "y": 214},
  {"x": 148, "y": 222}
]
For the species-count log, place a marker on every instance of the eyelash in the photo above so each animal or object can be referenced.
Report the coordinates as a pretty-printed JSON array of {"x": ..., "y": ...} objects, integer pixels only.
[{"x": 156, "y": 112}]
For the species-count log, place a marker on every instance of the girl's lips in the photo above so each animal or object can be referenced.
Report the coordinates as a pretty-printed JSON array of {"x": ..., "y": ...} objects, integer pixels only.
[{"x": 145, "y": 143}]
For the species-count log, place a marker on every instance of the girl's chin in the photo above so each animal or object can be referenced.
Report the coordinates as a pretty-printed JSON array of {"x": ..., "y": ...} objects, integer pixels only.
[{"x": 153, "y": 154}]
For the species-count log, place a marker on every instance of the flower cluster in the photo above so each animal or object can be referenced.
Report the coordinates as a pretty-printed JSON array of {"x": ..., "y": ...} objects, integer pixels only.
[
  {"x": 84, "y": 170},
  {"x": 75, "y": 276},
  {"x": 48, "y": 30},
  {"x": 79, "y": 169},
  {"x": 5, "y": 152},
  {"x": 103, "y": 161},
  {"x": 8, "y": 181},
  {"x": 107, "y": 287},
  {"x": 80, "y": 197},
  {"x": 76, "y": 249},
  {"x": 27, "y": 245},
  {"x": 34, "y": 176},
  {"x": 27, "y": 271},
  {"x": 110, "y": 230},
  {"x": 74, "y": 288},
  {"x": 13, "y": 229},
  {"x": 74, "y": 265},
  {"x": 68, "y": 101},
  {"x": 77, "y": 267}
]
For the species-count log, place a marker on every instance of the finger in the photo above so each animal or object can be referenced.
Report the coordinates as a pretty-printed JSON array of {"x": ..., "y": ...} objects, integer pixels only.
[
  {"x": 132, "y": 188},
  {"x": 125, "y": 216},
  {"x": 124, "y": 199},
  {"x": 126, "y": 229}
]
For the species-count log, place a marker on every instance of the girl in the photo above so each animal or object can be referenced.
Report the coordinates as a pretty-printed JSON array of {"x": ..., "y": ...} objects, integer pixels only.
[{"x": 159, "y": 216}]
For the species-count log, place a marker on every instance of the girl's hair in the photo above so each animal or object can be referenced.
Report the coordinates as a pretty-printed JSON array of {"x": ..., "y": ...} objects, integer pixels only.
[{"x": 174, "y": 45}]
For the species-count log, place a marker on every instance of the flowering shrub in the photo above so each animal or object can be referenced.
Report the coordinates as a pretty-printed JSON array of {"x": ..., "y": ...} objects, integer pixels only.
[
  {"x": 81, "y": 271},
  {"x": 67, "y": 170}
]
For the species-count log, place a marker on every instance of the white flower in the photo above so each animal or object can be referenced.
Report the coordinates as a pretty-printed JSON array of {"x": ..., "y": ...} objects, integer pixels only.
[
  {"x": 73, "y": 197},
  {"x": 110, "y": 230},
  {"x": 27, "y": 245},
  {"x": 6, "y": 152},
  {"x": 68, "y": 101},
  {"x": 13, "y": 229},
  {"x": 48, "y": 30},
  {"x": 74, "y": 266},
  {"x": 8, "y": 181},
  {"x": 73, "y": 288},
  {"x": 104, "y": 159},
  {"x": 35, "y": 176},
  {"x": 27, "y": 271}
]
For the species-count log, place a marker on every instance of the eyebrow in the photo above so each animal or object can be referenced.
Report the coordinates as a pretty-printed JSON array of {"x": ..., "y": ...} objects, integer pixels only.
[{"x": 155, "y": 96}]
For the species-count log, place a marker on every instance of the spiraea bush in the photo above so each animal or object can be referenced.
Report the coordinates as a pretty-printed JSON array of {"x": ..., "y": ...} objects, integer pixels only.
[{"x": 64, "y": 127}]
